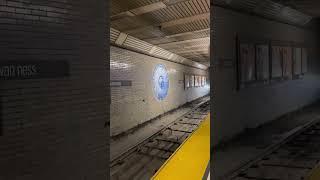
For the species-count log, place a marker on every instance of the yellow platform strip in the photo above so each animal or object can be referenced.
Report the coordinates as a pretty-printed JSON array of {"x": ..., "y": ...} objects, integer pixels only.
[
  {"x": 190, "y": 160},
  {"x": 315, "y": 173}
]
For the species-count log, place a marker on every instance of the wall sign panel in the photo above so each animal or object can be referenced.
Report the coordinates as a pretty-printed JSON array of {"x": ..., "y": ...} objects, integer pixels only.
[
  {"x": 18, "y": 70},
  {"x": 296, "y": 61},
  {"x": 120, "y": 83},
  {"x": 262, "y": 61},
  {"x": 276, "y": 62},
  {"x": 247, "y": 62},
  {"x": 287, "y": 62},
  {"x": 304, "y": 60}
]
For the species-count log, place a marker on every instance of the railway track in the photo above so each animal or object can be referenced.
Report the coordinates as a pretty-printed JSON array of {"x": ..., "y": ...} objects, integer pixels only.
[
  {"x": 291, "y": 159},
  {"x": 142, "y": 161}
]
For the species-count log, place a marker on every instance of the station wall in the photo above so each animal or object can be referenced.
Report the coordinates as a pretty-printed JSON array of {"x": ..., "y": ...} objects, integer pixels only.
[
  {"x": 134, "y": 103},
  {"x": 233, "y": 111},
  {"x": 54, "y": 127}
]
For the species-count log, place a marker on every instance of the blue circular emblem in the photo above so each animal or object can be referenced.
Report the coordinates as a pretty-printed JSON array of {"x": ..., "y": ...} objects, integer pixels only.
[{"x": 160, "y": 82}]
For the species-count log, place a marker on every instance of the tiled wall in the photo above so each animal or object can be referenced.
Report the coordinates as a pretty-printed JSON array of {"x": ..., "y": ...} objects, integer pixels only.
[
  {"x": 135, "y": 103},
  {"x": 233, "y": 110},
  {"x": 54, "y": 128}
]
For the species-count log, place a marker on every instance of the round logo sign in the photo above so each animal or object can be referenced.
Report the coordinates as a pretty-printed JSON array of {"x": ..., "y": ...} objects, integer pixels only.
[{"x": 160, "y": 82}]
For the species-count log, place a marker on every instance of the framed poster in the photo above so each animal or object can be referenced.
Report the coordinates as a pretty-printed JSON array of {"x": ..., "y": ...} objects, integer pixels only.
[
  {"x": 160, "y": 82},
  {"x": 304, "y": 60},
  {"x": 186, "y": 81},
  {"x": 286, "y": 53},
  {"x": 247, "y": 62},
  {"x": 196, "y": 81},
  {"x": 202, "y": 81},
  {"x": 262, "y": 61},
  {"x": 192, "y": 81},
  {"x": 276, "y": 62},
  {"x": 297, "y": 61}
]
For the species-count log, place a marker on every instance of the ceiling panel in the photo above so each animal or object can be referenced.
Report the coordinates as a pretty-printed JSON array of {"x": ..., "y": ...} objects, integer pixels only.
[
  {"x": 129, "y": 42},
  {"x": 180, "y": 36},
  {"x": 118, "y": 6},
  {"x": 272, "y": 9},
  {"x": 310, "y": 7},
  {"x": 159, "y": 22}
]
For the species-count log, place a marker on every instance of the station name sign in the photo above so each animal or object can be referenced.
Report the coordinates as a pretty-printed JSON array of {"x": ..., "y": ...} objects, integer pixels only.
[{"x": 16, "y": 70}]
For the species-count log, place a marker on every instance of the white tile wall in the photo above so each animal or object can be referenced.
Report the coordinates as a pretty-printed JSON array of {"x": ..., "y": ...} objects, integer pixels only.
[{"x": 136, "y": 104}]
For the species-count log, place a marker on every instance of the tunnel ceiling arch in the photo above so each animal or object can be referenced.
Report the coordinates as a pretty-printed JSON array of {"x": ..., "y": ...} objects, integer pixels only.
[{"x": 179, "y": 26}]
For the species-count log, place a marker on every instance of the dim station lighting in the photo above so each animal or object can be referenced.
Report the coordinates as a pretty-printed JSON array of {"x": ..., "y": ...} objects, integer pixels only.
[
  {"x": 207, "y": 86},
  {"x": 172, "y": 71},
  {"x": 119, "y": 65}
]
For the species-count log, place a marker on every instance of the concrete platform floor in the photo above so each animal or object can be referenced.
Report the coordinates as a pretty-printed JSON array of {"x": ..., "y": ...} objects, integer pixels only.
[
  {"x": 122, "y": 144},
  {"x": 245, "y": 147}
]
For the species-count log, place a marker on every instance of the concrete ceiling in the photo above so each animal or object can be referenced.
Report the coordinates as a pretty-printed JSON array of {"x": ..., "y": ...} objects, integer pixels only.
[
  {"x": 310, "y": 7},
  {"x": 183, "y": 26},
  {"x": 179, "y": 26},
  {"x": 278, "y": 10}
]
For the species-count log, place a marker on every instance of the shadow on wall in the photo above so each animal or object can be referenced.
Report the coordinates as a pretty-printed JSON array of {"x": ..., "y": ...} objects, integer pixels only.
[{"x": 252, "y": 106}]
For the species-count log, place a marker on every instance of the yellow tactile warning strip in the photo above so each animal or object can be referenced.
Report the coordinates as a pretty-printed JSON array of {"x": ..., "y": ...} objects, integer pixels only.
[
  {"x": 315, "y": 173},
  {"x": 190, "y": 160}
]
